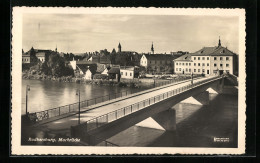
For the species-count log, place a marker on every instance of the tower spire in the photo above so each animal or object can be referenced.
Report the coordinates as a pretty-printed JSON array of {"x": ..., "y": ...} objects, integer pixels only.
[
  {"x": 152, "y": 49},
  {"x": 56, "y": 48},
  {"x": 119, "y": 47},
  {"x": 219, "y": 41}
]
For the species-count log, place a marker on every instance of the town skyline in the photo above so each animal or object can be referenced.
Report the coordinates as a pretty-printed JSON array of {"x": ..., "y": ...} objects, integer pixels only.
[{"x": 89, "y": 33}]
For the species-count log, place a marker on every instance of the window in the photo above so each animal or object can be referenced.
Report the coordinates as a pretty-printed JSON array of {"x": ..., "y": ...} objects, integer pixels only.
[
  {"x": 203, "y": 70},
  {"x": 198, "y": 58},
  {"x": 125, "y": 73},
  {"x": 227, "y": 58},
  {"x": 180, "y": 69},
  {"x": 215, "y": 58},
  {"x": 189, "y": 70},
  {"x": 215, "y": 65},
  {"x": 186, "y": 70},
  {"x": 221, "y": 65},
  {"x": 189, "y": 64},
  {"x": 176, "y": 69},
  {"x": 183, "y": 64},
  {"x": 207, "y": 58},
  {"x": 186, "y": 64},
  {"x": 194, "y": 64},
  {"x": 198, "y": 70},
  {"x": 194, "y": 70},
  {"x": 130, "y": 74},
  {"x": 227, "y": 65},
  {"x": 203, "y": 64},
  {"x": 221, "y": 58},
  {"x": 194, "y": 58},
  {"x": 207, "y": 64},
  {"x": 176, "y": 63},
  {"x": 203, "y": 58},
  {"x": 198, "y": 64}
]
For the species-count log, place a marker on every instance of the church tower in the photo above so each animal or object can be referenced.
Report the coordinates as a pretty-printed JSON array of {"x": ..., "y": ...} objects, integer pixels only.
[
  {"x": 119, "y": 47},
  {"x": 219, "y": 42},
  {"x": 152, "y": 49},
  {"x": 56, "y": 49}
]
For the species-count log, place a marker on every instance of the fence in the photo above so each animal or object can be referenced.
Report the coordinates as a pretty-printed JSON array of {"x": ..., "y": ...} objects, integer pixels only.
[
  {"x": 114, "y": 115},
  {"x": 46, "y": 114}
]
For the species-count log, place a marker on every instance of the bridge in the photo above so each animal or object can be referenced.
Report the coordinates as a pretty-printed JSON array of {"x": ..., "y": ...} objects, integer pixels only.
[{"x": 102, "y": 123}]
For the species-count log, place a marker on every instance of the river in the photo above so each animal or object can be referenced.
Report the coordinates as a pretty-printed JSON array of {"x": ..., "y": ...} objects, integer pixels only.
[{"x": 46, "y": 94}]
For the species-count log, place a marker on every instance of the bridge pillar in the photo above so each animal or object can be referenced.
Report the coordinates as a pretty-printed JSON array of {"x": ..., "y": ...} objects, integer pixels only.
[
  {"x": 201, "y": 98},
  {"x": 166, "y": 119}
]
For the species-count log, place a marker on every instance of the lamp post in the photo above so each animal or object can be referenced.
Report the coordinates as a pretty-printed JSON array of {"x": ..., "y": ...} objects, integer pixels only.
[
  {"x": 191, "y": 78},
  {"x": 27, "y": 90},
  {"x": 78, "y": 93}
]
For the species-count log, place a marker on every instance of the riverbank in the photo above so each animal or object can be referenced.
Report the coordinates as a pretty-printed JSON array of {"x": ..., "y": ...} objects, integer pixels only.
[{"x": 38, "y": 75}]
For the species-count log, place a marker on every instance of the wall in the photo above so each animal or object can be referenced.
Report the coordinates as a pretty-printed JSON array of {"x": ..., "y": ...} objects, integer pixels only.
[
  {"x": 126, "y": 74},
  {"x": 224, "y": 62}
]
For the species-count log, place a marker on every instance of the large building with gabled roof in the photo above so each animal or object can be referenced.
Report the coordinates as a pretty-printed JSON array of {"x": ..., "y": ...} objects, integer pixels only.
[{"x": 208, "y": 61}]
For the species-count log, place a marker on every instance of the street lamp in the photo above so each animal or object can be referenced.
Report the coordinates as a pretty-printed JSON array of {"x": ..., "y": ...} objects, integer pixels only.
[
  {"x": 191, "y": 78},
  {"x": 27, "y": 90},
  {"x": 78, "y": 93}
]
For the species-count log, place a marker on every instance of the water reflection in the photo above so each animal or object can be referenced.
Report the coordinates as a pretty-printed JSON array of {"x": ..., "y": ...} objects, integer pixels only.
[{"x": 48, "y": 94}]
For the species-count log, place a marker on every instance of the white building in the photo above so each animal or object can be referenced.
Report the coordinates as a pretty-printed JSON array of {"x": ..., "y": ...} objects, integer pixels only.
[
  {"x": 208, "y": 61},
  {"x": 26, "y": 58},
  {"x": 41, "y": 56},
  {"x": 129, "y": 72},
  {"x": 88, "y": 75}
]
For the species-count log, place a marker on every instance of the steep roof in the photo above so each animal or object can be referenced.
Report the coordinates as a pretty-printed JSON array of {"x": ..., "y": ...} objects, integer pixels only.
[
  {"x": 114, "y": 70},
  {"x": 40, "y": 54},
  {"x": 185, "y": 57},
  {"x": 84, "y": 63},
  {"x": 213, "y": 51},
  {"x": 160, "y": 56},
  {"x": 84, "y": 68},
  {"x": 127, "y": 68}
]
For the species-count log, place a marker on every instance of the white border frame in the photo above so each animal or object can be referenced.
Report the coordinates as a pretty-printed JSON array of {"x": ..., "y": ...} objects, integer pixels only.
[{"x": 16, "y": 80}]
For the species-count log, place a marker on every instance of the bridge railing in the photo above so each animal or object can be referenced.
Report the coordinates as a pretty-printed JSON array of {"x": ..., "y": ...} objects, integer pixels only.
[
  {"x": 54, "y": 112},
  {"x": 114, "y": 115}
]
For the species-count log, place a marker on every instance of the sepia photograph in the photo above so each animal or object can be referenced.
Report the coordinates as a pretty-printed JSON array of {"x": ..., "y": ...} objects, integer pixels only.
[{"x": 128, "y": 80}]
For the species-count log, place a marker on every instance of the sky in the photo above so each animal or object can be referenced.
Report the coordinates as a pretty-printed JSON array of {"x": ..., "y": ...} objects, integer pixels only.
[{"x": 80, "y": 33}]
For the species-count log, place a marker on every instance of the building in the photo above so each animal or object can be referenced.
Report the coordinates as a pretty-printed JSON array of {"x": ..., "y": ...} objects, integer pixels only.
[
  {"x": 41, "y": 56},
  {"x": 129, "y": 72},
  {"x": 100, "y": 59},
  {"x": 114, "y": 73},
  {"x": 183, "y": 64},
  {"x": 26, "y": 58},
  {"x": 157, "y": 63},
  {"x": 208, "y": 61}
]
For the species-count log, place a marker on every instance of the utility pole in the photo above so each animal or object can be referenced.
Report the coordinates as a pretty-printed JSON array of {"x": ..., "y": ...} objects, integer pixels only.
[{"x": 78, "y": 93}]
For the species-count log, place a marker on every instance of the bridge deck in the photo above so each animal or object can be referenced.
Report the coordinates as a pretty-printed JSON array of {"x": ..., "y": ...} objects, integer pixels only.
[{"x": 67, "y": 122}]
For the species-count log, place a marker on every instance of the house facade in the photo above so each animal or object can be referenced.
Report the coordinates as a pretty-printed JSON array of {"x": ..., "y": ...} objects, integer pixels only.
[
  {"x": 129, "y": 72},
  {"x": 207, "y": 61},
  {"x": 41, "y": 56},
  {"x": 158, "y": 62},
  {"x": 26, "y": 58}
]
